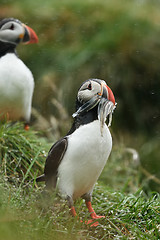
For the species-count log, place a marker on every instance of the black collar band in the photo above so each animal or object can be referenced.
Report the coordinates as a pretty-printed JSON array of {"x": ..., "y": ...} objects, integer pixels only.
[{"x": 6, "y": 48}]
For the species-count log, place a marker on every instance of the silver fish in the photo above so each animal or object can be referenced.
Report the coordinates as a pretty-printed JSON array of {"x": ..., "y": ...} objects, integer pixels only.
[
  {"x": 87, "y": 106},
  {"x": 105, "y": 108}
]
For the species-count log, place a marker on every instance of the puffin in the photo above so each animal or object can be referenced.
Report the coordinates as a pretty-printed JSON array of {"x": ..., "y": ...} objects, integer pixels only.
[
  {"x": 75, "y": 162},
  {"x": 16, "y": 79}
]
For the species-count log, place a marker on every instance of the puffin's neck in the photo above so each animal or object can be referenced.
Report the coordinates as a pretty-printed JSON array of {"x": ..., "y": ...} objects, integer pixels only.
[
  {"x": 7, "y": 48},
  {"x": 83, "y": 119}
]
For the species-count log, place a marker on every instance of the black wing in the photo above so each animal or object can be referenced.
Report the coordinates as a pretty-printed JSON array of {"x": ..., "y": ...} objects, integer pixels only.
[{"x": 53, "y": 161}]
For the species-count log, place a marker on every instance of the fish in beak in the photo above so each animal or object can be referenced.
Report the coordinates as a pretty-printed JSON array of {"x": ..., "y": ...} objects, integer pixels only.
[
  {"x": 87, "y": 106},
  {"x": 106, "y": 106}
]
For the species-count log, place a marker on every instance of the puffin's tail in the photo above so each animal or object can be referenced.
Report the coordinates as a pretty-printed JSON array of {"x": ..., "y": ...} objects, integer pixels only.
[{"x": 40, "y": 178}]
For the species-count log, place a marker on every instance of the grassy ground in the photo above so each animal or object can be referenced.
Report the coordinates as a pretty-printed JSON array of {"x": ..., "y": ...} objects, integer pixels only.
[{"x": 25, "y": 213}]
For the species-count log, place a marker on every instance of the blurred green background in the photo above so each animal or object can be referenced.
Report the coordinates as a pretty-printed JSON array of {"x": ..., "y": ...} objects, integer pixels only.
[{"x": 118, "y": 41}]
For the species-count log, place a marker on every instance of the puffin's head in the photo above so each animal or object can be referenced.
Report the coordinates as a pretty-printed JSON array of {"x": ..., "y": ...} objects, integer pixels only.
[
  {"x": 94, "y": 88},
  {"x": 13, "y": 31},
  {"x": 95, "y": 93}
]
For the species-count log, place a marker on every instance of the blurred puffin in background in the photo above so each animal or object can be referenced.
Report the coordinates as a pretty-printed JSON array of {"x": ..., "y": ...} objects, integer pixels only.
[
  {"x": 75, "y": 162},
  {"x": 16, "y": 80}
]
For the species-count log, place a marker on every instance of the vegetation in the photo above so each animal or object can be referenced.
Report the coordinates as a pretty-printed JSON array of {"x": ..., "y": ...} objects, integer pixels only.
[
  {"x": 25, "y": 212},
  {"x": 127, "y": 217},
  {"x": 113, "y": 40}
]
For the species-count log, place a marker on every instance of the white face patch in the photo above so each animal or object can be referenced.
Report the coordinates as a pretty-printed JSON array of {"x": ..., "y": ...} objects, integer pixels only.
[
  {"x": 88, "y": 90},
  {"x": 11, "y": 32}
]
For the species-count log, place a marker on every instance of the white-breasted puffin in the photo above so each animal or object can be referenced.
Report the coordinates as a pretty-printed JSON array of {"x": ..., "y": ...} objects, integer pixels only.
[
  {"x": 16, "y": 80},
  {"x": 75, "y": 162}
]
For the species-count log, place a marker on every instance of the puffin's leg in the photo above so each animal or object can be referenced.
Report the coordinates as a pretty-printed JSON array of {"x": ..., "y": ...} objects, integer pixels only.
[
  {"x": 26, "y": 126},
  {"x": 26, "y": 123},
  {"x": 71, "y": 207},
  {"x": 88, "y": 198}
]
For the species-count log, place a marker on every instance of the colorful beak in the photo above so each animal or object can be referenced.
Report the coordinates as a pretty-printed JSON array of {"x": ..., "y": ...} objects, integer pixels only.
[
  {"x": 106, "y": 106},
  {"x": 29, "y": 35},
  {"x": 110, "y": 95},
  {"x": 106, "y": 92}
]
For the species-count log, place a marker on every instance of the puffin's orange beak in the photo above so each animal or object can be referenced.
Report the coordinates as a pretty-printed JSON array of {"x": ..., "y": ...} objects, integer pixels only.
[
  {"x": 29, "y": 36},
  {"x": 110, "y": 95}
]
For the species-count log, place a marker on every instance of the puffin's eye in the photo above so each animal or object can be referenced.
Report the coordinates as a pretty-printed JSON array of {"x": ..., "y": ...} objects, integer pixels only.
[
  {"x": 12, "y": 27},
  {"x": 89, "y": 86}
]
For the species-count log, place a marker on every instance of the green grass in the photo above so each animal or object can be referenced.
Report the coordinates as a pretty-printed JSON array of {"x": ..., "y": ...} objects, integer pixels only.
[
  {"x": 26, "y": 213},
  {"x": 21, "y": 154},
  {"x": 128, "y": 216}
]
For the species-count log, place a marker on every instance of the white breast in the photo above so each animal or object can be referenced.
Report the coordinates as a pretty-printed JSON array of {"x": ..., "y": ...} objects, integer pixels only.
[
  {"x": 84, "y": 159},
  {"x": 16, "y": 87}
]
